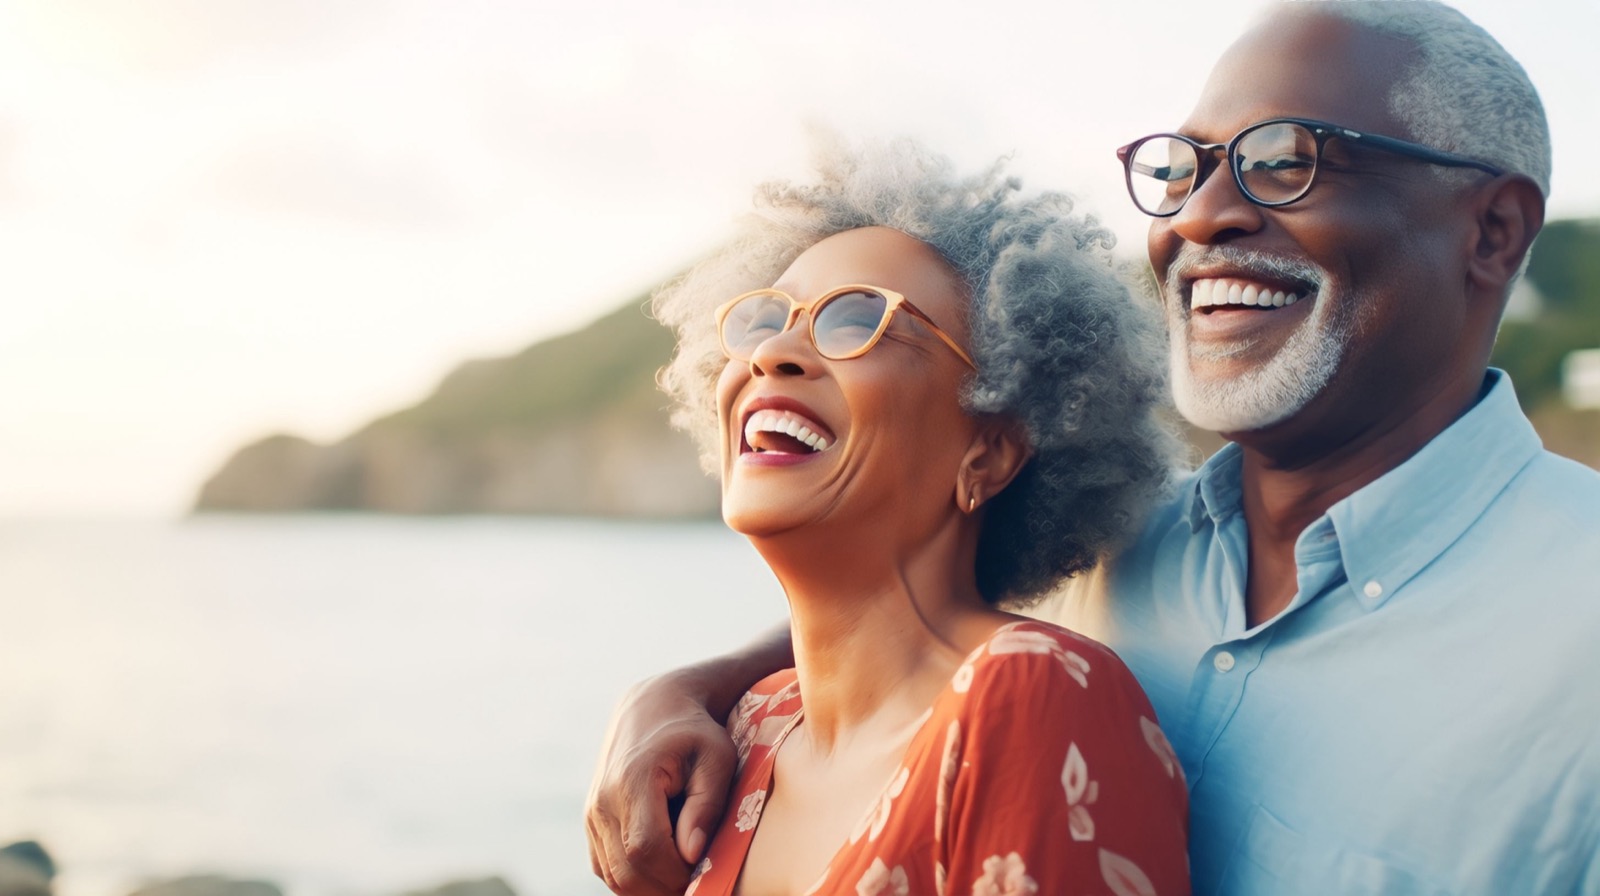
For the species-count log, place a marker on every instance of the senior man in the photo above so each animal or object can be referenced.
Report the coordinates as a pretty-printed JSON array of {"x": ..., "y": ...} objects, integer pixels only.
[{"x": 1368, "y": 625}]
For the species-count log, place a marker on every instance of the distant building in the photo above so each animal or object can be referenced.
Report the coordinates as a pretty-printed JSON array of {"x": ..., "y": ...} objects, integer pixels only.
[
  {"x": 1525, "y": 301},
  {"x": 1580, "y": 378}
]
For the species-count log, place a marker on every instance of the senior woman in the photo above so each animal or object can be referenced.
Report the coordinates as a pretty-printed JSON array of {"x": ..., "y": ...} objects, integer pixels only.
[{"x": 929, "y": 399}]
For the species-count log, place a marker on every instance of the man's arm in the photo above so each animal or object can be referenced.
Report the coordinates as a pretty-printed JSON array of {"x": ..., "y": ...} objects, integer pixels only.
[{"x": 667, "y": 743}]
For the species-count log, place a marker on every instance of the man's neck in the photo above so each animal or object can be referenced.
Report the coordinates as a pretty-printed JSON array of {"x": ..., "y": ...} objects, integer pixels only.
[{"x": 1290, "y": 479}]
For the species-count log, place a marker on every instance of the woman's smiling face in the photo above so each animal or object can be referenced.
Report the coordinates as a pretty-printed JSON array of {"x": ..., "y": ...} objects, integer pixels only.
[{"x": 880, "y": 437}]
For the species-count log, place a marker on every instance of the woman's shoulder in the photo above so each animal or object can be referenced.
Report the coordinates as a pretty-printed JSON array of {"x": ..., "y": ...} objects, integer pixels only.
[
  {"x": 764, "y": 712},
  {"x": 1038, "y": 630},
  {"x": 1028, "y": 662},
  {"x": 1041, "y": 681},
  {"x": 777, "y": 693},
  {"x": 1077, "y": 654}
]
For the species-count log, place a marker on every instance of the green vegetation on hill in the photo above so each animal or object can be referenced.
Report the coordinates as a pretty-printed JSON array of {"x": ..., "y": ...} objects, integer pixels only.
[
  {"x": 609, "y": 365},
  {"x": 1565, "y": 269},
  {"x": 571, "y": 425}
]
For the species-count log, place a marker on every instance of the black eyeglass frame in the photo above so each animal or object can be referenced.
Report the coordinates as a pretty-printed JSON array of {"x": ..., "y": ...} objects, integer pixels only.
[{"x": 1321, "y": 131}]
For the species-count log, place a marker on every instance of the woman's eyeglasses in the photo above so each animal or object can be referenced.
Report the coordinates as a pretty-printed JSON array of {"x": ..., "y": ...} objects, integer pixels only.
[
  {"x": 846, "y": 322},
  {"x": 1274, "y": 162}
]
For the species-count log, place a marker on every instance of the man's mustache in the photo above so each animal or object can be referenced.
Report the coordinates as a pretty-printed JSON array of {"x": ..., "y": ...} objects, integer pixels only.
[{"x": 1246, "y": 261}]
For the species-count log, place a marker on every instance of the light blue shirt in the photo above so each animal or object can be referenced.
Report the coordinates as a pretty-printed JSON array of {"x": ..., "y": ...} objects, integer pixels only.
[{"x": 1424, "y": 717}]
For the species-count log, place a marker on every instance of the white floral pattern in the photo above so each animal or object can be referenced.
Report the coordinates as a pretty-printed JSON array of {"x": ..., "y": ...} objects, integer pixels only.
[
  {"x": 1123, "y": 876},
  {"x": 1014, "y": 640},
  {"x": 872, "y": 823},
  {"x": 771, "y": 729},
  {"x": 1157, "y": 740},
  {"x": 695, "y": 875},
  {"x": 787, "y": 692},
  {"x": 1081, "y": 794},
  {"x": 1005, "y": 876},
  {"x": 947, "y": 778},
  {"x": 750, "y": 810},
  {"x": 881, "y": 880},
  {"x": 1077, "y": 667},
  {"x": 961, "y": 682},
  {"x": 739, "y": 727},
  {"x": 747, "y": 733}
]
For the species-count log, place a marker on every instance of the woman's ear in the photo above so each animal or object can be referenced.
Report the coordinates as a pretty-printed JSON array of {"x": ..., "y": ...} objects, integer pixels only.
[{"x": 999, "y": 451}]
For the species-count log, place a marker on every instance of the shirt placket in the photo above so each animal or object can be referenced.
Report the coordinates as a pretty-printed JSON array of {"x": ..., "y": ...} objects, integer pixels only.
[{"x": 1217, "y": 686}]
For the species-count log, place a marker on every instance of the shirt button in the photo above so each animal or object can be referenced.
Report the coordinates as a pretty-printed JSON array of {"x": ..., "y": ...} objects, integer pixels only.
[
  {"x": 1223, "y": 661},
  {"x": 1373, "y": 589}
]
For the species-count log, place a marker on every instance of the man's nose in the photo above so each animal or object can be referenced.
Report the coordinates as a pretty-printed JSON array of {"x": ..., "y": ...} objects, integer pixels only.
[{"x": 1217, "y": 210}]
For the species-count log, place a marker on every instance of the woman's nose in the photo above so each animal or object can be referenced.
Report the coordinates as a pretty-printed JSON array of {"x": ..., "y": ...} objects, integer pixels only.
[{"x": 789, "y": 353}]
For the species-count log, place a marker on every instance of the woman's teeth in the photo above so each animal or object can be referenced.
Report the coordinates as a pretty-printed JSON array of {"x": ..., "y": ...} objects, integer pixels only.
[
  {"x": 1212, "y": 293},
  {"x": 782, "y": 423}
]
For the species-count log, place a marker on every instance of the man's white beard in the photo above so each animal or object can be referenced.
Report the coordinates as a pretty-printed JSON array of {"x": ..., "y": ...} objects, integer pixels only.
[{"x": 1268, "y": 393}]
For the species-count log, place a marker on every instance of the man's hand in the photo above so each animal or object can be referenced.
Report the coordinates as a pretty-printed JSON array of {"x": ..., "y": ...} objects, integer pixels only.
[{"x": 663, "y": 749}]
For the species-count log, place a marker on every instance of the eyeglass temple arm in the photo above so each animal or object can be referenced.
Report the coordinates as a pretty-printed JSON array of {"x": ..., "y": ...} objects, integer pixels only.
[
  {"x": 1414, "y": 150},
  {"x": 944, "y": 337}
]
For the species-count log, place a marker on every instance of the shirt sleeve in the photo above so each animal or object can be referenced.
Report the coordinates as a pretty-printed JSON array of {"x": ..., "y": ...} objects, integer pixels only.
[{"x": 1058, "y": 779}]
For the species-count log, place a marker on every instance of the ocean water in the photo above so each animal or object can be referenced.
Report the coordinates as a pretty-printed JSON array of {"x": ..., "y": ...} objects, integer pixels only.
[{"x": 346, "y": 705}]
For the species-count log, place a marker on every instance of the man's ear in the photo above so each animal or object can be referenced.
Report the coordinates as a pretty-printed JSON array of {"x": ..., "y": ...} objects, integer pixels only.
[
  {"x": 999, "y": 451},
  {"x": 1510, "y": 212}
]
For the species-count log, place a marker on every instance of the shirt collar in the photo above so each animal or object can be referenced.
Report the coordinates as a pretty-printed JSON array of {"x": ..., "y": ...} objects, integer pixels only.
[
  {"x": 1216, "y": 488},
  {"x": 1396, "y": 525}
]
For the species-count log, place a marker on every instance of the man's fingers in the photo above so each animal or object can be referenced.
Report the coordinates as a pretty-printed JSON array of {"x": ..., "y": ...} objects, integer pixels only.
[
  {"x": 630, "y": 846},
  {"x": 705, "y": 796},
  {"x": 599, "y": 825},
  {"x": 661, "y": 743},
  {"x": 599, "y": 860},
  {"x": 647, "y": 834}
]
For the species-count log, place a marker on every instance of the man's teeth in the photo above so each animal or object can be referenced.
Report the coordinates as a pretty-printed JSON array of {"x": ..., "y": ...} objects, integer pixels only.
[
  {"x": 1206, "y": 293},
  {"x": 785, "y": 423}
]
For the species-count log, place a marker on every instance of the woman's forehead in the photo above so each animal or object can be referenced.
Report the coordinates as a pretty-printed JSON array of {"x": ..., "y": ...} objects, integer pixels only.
[{"x": 877, "y": 256}]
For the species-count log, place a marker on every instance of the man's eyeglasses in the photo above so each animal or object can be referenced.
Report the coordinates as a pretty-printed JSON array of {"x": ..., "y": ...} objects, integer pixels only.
[
  {"x": 1274, "y": 162},
  {"x": 846, "y": 322}
]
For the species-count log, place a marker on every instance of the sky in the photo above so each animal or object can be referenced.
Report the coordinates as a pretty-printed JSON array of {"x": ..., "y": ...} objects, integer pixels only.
[{"x": 221, "y": 219}]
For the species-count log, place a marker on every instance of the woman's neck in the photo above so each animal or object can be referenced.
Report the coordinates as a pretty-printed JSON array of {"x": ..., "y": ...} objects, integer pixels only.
[{"x": 878, "y": 633}]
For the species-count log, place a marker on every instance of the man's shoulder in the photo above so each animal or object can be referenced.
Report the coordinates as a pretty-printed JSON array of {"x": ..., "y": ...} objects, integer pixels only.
[
  {"x": 1558, "y": 485},
  {"x": 1173, "y": 514}
]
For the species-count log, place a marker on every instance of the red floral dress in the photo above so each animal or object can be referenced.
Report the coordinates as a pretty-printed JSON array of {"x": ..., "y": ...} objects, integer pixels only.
[{"x": 1039, "y": 770}]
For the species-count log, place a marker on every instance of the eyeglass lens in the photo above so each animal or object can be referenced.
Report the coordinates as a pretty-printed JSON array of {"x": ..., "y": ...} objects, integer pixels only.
[
  {"x": 843, "y": 324},
  {"x": 1274, "y": 164}
]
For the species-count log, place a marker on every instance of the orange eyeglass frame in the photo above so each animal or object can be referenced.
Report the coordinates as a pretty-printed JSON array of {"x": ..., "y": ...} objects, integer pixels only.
[{"x": 893, "y": 302}]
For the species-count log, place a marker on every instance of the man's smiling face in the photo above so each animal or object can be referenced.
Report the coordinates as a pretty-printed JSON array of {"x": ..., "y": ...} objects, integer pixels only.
[{"x": 1341, "y": 299}]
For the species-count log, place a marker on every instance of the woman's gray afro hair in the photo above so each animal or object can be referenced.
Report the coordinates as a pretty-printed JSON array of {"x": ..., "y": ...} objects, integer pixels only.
[{"x": 1060, "y": 342}]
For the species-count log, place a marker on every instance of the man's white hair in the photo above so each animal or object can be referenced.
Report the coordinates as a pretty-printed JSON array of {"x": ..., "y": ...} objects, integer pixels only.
[{"x": 1464, "y": 93}]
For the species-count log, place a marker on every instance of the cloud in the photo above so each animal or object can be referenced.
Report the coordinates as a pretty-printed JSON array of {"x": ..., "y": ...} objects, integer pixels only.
[
  {"x": 316, "y": 175},
  {"x": 10, "y": 139},
  {"x": 166, "y": 37}
]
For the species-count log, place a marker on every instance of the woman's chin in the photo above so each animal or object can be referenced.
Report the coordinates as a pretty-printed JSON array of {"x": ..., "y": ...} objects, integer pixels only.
[{"x": 763, "y": 519}]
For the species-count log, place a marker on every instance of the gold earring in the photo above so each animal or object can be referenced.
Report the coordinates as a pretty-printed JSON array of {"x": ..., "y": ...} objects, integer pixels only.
[{"x": 972, "y": 503}]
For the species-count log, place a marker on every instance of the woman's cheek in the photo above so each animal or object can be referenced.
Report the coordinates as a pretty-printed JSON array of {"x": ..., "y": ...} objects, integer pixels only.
[{"x": 729, "y": 383}]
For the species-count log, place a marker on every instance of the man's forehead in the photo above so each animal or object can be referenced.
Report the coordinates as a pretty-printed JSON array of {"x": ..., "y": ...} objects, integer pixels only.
[{"x": 1299, "y": 62}]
